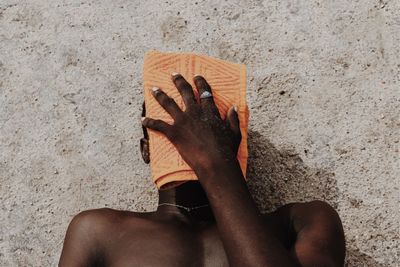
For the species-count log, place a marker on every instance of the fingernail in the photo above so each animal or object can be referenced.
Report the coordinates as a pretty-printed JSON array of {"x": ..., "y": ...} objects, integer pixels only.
[
  {"x": 154, "y": 89},
  {"x": 174, "y": 73},
  {"x": 235, "y": 108},
  {"x": 197, "y": 75},
  {"x": 143, "y": 118}
]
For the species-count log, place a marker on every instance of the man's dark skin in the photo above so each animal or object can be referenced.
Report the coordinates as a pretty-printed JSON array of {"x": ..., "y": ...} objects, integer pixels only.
[{"x": 229, "y": 232}]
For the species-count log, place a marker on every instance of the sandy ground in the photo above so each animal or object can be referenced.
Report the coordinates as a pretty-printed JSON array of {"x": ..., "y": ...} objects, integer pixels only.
[{"x": 323, "y": 88}]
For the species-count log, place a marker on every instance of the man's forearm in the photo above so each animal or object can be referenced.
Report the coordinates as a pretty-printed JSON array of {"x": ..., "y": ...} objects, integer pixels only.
[{"x": 246, "y": 240}]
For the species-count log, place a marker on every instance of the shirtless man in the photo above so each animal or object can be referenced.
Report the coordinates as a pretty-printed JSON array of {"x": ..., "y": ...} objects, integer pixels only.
[{"x": 210, "y": 222}]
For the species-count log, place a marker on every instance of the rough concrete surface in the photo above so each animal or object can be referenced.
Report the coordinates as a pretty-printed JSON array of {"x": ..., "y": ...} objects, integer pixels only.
[{"x": 323, "y": 90}]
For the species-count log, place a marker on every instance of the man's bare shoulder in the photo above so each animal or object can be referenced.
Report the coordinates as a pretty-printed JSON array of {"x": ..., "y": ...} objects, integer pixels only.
[
  {"x": 112, "y": 216},
  {"x": 101, "y": 235},
  {"x": 106, "y": 221}
]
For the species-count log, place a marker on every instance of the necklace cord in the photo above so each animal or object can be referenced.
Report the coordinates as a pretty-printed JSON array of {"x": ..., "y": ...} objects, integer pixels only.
[{"x": 183, "y": 207}]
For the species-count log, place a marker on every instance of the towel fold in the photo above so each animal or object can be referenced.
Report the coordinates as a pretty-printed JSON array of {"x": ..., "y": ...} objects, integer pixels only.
[{"x": 228, "y": 84}]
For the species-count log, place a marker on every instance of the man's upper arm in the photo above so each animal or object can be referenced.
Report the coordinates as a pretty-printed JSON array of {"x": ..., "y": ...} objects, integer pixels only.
[{"x": 320, "y": 241}]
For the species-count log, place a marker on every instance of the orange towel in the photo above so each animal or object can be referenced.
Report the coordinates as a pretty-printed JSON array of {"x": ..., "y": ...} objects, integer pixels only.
[{"x": 228, "y": 84}]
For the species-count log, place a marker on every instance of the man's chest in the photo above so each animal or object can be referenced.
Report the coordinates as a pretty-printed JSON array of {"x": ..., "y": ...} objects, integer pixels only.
[{"x": 168, "y": 247}]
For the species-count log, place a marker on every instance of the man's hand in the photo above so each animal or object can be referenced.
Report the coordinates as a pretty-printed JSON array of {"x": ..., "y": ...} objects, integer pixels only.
[{"x": 200, "y": 135}]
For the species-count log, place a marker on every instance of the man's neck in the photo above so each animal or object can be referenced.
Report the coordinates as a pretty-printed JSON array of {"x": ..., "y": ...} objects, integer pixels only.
[{"x": 187, "y": 201}]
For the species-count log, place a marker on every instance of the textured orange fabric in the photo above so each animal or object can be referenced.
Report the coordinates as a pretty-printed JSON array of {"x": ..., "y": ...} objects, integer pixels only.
[{"x": 228, "y": 84}]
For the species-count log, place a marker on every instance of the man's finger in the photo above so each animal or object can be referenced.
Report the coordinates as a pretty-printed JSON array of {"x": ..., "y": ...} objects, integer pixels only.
[
  {"x": 166, "y": 102},
  {"x": 205, "y": 95},
  {"x": 185, "y": 89},
  {"x": 157, "y": 125},
  {"x": 233, "y": 120}
]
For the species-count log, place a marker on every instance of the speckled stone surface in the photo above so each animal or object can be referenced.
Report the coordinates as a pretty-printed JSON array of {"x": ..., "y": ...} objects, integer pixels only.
[{"x": 323, "y": 90}]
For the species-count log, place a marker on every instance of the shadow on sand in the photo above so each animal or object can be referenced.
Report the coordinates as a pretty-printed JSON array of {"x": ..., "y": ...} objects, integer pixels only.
[{"x": 277, "y": 177}]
